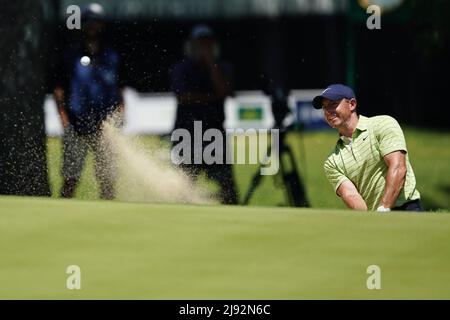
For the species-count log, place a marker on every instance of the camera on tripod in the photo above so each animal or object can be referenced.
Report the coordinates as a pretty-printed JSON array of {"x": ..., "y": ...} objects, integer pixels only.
[{"x": 295, "y": 192}]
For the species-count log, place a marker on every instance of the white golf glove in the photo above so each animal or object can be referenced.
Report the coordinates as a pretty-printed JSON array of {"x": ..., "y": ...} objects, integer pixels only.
[{"x": 383, "y": 209}]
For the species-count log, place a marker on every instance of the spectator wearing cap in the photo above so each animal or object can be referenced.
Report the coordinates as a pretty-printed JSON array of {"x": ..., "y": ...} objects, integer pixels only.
[
  {"x": 201, "y": 82},
  {"x": 369, "y": 167}
]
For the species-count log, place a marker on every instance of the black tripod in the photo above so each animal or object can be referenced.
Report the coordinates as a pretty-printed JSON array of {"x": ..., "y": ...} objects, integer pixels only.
[{"x": 294, "y": 188}]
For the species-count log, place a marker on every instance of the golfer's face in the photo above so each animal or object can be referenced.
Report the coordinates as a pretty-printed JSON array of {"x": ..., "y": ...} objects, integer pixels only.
[{"x": 336, "y": 112}]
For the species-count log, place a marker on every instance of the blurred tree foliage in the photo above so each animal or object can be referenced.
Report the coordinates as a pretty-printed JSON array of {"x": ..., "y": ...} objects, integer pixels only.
[
  {"x": 430, "y": 23},
  {"x": 23, "y": 165},
  {"x": 431, "y": 20}
]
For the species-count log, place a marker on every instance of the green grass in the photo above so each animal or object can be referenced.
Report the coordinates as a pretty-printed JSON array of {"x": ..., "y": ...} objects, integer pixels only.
[
  {"x": 161, "y": 251},
  {"x": 149, "y": 251},
  {"x": 429, "y": 154}
]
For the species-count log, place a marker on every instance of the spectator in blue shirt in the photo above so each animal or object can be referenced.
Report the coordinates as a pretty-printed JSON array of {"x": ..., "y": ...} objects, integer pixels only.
[{"x": 86, "y": 95}]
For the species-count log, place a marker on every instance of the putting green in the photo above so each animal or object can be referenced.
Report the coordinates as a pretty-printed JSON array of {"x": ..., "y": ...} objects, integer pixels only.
[{"x": 145, "y": 251}]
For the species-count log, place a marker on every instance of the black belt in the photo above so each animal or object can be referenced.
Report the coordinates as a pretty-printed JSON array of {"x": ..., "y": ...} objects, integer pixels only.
[{"x": 413, "y": 205}]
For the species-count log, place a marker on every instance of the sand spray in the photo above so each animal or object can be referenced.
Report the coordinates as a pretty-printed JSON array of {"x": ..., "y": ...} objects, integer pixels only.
[{"x": 146, "y": 173}]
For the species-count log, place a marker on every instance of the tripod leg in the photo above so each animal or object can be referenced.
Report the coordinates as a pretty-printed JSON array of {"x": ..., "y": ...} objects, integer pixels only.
[
  {"x": 253, "y": 185},
  {"x": 294, "y": 186},
  {"x": 256, "y": 180}
]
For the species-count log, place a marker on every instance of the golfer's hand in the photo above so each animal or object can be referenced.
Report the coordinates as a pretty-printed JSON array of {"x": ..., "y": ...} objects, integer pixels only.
[
  {"x": 64, "y": 120},
  {"x": 383, "y": 209},
  {"x": 118, "y": 118}
]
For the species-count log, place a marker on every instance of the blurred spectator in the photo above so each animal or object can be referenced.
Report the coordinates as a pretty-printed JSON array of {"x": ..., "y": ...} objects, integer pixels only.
[
  {"x": 86, "y": 94},
  {"x": 201, "y": 83}
]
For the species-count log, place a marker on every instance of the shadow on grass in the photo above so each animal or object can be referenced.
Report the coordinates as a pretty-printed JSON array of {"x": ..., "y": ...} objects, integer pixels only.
[
  {"x": 432, "y": 205},
  {"x": 445, "y": 188}
]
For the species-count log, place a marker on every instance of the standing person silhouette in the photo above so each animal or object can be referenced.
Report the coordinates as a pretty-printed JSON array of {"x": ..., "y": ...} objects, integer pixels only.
[
  {"x": 201, "y": 82},
  {"x": 86, "y": 93}
]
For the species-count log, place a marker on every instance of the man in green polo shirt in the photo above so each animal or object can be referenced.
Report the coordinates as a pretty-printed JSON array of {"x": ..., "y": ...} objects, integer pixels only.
[{"x": 369, "y": 167}]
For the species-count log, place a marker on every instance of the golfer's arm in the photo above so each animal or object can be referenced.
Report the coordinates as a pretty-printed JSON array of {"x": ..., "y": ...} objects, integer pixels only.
[
  {"x": 395, "y": 178},
  {"x": 121, "y": 107},
  {"x": 58, "y": 95},
  {"x": 350, "y": 195}
]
